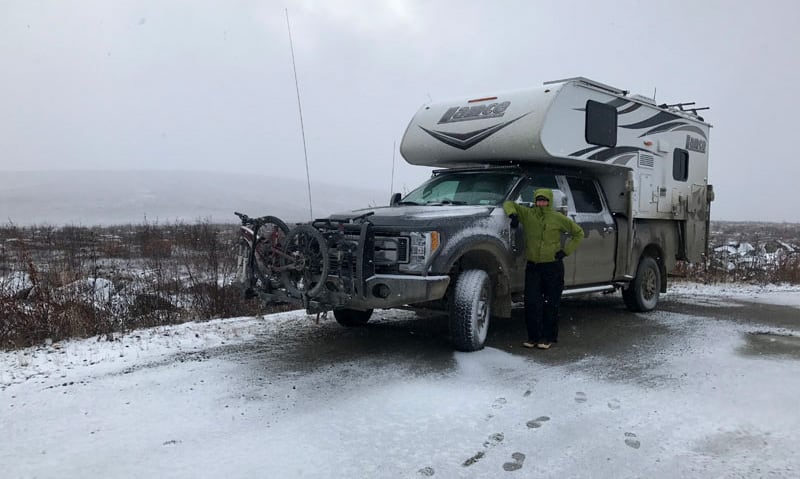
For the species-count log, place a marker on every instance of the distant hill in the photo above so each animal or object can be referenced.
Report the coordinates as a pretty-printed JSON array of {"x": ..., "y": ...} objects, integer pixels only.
[{"x": 121, "y": 197}]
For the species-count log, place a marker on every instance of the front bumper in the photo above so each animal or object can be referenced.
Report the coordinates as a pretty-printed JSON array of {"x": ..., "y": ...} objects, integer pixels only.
[{"x": 392, "y": 290}]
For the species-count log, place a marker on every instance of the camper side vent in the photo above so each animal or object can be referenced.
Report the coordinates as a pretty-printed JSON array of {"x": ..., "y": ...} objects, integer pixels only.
[{"x": 646, "y": 160}]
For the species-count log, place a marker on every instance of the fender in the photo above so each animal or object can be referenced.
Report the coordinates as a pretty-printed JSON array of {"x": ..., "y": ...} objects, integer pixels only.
[{"x": 478, "y": 243}]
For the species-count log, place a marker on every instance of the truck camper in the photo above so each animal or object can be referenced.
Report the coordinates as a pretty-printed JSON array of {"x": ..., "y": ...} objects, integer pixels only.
[{"x": 632, "y": 173}]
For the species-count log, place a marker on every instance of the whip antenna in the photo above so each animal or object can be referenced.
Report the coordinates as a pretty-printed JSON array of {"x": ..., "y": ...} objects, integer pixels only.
[
  {"x": 300, "y": 109},
  {"x": 391, "y": 186}
]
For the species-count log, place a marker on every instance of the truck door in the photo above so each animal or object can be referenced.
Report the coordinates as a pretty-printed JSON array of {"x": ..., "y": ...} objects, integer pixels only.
[{"x": 594, "y": 258}]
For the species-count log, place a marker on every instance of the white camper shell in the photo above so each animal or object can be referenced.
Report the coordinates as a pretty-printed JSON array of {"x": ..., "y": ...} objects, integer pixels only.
[{"x": 575, "y": 123}]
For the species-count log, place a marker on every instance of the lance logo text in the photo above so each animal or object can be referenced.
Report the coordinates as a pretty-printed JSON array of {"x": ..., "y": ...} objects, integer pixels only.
[
  {"x": 478, "y": 112},
  {"x": 695, "y": 144}
]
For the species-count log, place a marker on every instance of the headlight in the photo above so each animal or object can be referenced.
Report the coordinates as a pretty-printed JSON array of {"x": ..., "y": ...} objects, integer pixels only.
[{"x": 422, "y": 246}]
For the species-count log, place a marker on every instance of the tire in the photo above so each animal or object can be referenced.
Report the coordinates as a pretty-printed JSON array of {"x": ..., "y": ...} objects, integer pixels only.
[
  {"x": 352, "y": 318},
  {"x": 262, "y": 267},
  {"x": 642, "y": 293},
  {"x": 270, "y": 238},
  {"x": 304, "y": 262},
  {"x": 470, "y": 310}
]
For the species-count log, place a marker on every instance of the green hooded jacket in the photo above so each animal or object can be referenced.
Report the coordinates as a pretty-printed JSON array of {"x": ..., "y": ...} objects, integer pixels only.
[{"x": 543, "y": 228}]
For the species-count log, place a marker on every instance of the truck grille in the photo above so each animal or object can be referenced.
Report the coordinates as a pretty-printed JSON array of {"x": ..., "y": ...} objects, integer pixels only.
[
  {"x": 391, "y": 250},
  {"x": 388, "y": 249}
]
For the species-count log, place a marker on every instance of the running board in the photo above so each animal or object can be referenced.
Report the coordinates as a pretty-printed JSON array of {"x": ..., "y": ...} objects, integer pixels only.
[{"x": 590, "y": 289}]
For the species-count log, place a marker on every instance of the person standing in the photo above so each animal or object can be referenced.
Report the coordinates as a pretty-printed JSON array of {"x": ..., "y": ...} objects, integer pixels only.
[{"x": 544, "y": 271}]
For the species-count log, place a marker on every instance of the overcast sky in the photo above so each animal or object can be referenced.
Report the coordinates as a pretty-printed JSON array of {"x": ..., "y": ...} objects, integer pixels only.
[{"x": 97, "y": 84}]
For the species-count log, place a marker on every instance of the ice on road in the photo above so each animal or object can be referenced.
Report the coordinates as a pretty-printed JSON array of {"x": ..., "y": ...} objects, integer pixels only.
[{"x": 285, "y": 397}]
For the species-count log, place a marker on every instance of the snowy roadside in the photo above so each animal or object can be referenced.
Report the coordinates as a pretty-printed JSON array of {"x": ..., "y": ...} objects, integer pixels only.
[
  {"x": 672, "y": 397},
  {"x": 67, "y": 359},
  {"x": 780, "y": 294}
]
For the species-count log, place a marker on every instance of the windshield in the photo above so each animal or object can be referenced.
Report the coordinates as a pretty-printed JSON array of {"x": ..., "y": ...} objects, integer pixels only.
[{"x": 465, "y": 188}]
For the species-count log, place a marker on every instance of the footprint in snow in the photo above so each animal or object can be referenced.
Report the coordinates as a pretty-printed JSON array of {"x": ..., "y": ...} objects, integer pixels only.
[
  {"x": 631, "y": 441},
  {"x": 426, "y": 471},
  {"x": 518, "y": 458},
  {"x": 614, "y": 404},
  {"x": 498, "y": 403},
  {"x": 580, "y": 397},
  {"x": 492, "y": 441},
  {"x": 537, "y": 423},
  {"x": 527, "y": 393}
]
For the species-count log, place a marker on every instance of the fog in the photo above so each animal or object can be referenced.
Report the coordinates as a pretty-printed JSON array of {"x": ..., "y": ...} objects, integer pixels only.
[{"x": 201, "y": 85}]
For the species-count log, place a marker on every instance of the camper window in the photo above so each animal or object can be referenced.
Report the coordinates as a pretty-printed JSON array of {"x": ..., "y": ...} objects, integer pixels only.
[
  {"x": 601, "y": 124},
  {"x": 680, "y": 165}
]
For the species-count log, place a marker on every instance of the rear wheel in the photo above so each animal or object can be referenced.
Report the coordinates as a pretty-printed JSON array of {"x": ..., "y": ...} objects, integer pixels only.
[
  {"x": 259, "y": 271},
  {"x": 270, "y": 236},
  {"x": 351, "y": 318},
  {"x": 470, "y": 310},
  {"x": 642, "y": 293}
]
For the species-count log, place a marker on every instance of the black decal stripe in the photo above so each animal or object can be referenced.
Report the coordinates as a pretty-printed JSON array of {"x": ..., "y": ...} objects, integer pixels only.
[
  {"x": 469, "y": 139},
  {"x": 624, "y": 159},
  {"x": 693, "y": 129},
  {"x": 606, "y": 155},
  {"x": 617, "y": 102},
  {"x": 657, "y": 119},
  {"x": 634, "y": 107},
  {"x": 662, "y": 128},
  {"x": 584, "y": 151}
]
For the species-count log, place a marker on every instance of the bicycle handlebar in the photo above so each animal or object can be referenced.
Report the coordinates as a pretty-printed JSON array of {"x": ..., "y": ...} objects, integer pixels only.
[{"x": 246, "y": 220}]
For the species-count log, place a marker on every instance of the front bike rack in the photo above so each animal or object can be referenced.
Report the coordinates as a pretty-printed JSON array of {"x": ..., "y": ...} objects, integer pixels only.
[{"x": 318, "y": 266}]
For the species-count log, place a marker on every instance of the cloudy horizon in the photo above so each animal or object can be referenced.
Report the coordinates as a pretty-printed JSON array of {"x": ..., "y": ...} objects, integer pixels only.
[{"x": 180, "y": 85}]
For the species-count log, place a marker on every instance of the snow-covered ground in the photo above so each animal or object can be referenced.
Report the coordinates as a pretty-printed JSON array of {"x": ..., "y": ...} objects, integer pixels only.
[{"x": 242, "y": 397}]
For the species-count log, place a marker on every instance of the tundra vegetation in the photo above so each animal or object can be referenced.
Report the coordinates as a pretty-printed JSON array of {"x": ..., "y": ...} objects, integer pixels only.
[{"x": 58, "y": 282}]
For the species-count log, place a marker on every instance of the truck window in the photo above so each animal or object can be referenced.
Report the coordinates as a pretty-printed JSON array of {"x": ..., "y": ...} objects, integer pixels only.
[
  {"x": 532, "y": 183},
  {"x": 680, "y": 164},
  {"x": 601, "y": 124},
  {"x": 585, "y": 195},
  {"x": 467, "y": 188}
]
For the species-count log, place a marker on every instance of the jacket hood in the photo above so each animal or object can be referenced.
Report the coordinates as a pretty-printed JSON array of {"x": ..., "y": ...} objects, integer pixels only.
[{"x": 546, "y": 192}]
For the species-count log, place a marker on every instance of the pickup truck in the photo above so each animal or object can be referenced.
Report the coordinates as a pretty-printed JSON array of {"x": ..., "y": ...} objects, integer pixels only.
[{"x": 632, "y": 174}]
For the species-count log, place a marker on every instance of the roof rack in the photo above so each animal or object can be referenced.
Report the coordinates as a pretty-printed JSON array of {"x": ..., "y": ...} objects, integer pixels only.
[{"x": 680, "y": 106}]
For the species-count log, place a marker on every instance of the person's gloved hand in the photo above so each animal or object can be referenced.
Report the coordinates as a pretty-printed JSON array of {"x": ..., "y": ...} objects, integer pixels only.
[
  {"x": 514, "y": 220},
  {"x": 560, "y": 254}
]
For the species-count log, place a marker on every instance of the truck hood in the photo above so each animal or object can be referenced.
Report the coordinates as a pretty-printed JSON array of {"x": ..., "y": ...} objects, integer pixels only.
[{"x": 424, "y": 216}]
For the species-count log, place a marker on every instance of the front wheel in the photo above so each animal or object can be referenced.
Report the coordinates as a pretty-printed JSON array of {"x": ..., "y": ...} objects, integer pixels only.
[
  {"x": 642, "y": 293},
  {"x": 304, "y": 261},
  {"x": 351, "y": 318},
  {"x": 470, "y": 310}
]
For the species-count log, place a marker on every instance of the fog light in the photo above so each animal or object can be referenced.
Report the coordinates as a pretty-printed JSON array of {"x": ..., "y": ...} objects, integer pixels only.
[{"x": 381, "y": 291}]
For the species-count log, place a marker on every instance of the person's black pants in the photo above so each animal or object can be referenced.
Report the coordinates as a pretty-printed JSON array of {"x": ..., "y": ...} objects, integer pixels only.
[{"x": 543, "y": 285}]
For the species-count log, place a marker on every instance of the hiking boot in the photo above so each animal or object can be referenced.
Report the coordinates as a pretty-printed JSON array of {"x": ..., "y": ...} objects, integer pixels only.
[
  {"x": 528, "y": 344},
  {"x": 543, "y": 345}
]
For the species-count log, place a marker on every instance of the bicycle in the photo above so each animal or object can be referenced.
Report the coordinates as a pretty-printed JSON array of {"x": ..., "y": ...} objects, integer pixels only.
[{"x": 272, "y": 256}]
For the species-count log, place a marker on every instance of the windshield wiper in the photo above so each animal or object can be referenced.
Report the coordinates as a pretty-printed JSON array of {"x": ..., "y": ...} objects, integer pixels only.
[
  {"x": 446, "y": 202},
  {"x": 412, "y": 203}
]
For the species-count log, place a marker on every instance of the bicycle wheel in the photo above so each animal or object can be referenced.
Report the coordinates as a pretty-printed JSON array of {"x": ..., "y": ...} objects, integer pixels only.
[
  {"x": 304, "y": 261},
  {"x": 269, "y": 238}
]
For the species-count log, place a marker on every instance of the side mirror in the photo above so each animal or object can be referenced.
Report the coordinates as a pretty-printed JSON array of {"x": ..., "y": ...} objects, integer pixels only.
[
  {"x": 560, "y": 202},
  {"x": 395, "y": 198}
]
